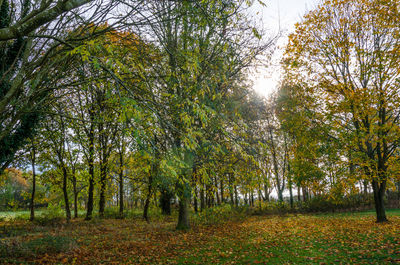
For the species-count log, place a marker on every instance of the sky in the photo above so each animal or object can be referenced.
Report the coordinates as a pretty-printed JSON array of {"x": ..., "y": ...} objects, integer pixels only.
[{"x": 278, "y": 15}]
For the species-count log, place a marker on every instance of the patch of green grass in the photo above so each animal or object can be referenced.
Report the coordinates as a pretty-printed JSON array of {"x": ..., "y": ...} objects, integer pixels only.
[
  {"x": 25, "y": 214},
  {"x": 9, "y": 215},
  {"x": 389, "y": 213},
  {"x": 304, "y": 239}
]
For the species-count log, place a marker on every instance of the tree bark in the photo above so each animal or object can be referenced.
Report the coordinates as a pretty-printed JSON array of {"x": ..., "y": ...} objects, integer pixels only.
[
  {"x": 291, "y": 195},
  {"x": 236, "y": 197},
  {"x": 121, "y": 184},
  {"x": 165, "y": 202},
  {"x": 231, "y": 195},
  {"x": 195, "y": 202},
  {"x": 398, "y": 190},
  {"x": 90, "y": 202},
  {"x": 222, "y": 190},
  {"x": 216, "y": 191},
  {"x": 148, "y": 198},
  {"x": 202, "y": 199},
  {"x": 103, "y": 183},
  {"x": 266, "y": 190},
  {"x": 298, "y": 194},
  {"x": 32, "y": 205},
  {"x": 146, "y": 208},
  {"x": 65, "y": 192},
  {"x": 34, "y": 21},
  {"x": 75, "y": 194},
  {"x": 305, "y": 194},
  {"x": 184, "y": 194},
  {"x": 183, "y": 218},
  {"x": 379, "y": 192},
  {"x": 290, "y": 185}
]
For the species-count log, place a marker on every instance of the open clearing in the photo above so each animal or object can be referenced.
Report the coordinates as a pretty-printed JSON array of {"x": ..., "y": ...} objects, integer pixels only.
[{"x": 294, "y": 239}]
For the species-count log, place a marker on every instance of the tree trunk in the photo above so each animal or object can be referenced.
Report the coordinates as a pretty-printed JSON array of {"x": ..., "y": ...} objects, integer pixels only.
[
  {"x": 266, "y": 192},
  {"x": 65, "y": 192},
  {"x": 165, "y": 202},
  {"x": 222, "y": 190},
  {"x": 32, "y": 205},
  {"x": 231, "y": 189},
  {"x": 195, "y": 202},
  {"x": 236, "y": 197},
  {"x": 75, "y": 195},
  {"x": 290, "y": 186},
  {"x": 184, "y": 201},
  {"x": 216, "y": 191},
  {"x": 231, "y": 195},
  {"x": 148, "y": 198},
  {"x": 291, "y": 196},
  {"x": 202, "y": 199},
  {"x": 379, "y": 192},
  {"x": 146, "y": 208},
  {"x": 121, "y": 185},
  {"x": 103, "y": 176},
  {"x": 298, "y": 194},
  {"x": 398, "y": 190},
  {"x": 304, "y": 194},
  {"x": 209, "y": 197},
  {"x": 90, "y": 202}
]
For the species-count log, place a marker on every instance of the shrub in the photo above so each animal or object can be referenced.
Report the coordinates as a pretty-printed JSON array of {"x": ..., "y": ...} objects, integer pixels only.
[
  {"x": 220, "y": 214},
  {"x": 112, "y": 213},
  {"x": 318, "y": 204},
  {"x": 52, "y": 215},
  {"x": 22, "y": 216},
  {"x": 39, "y": 246}
]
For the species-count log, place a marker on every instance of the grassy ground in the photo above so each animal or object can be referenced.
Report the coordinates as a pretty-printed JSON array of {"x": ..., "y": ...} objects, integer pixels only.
[
  {"x": 291, "y": 239},
  {"x": 10, "y": 215}
]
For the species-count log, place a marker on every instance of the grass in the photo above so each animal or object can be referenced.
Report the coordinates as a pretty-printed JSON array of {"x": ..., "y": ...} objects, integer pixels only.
[
  {"x": 290, "y": 239},
  {"x": 9, "y": 215}
]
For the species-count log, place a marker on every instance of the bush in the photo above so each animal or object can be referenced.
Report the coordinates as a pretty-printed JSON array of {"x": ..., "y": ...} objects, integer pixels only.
[
  {"x": 321, "y": 203},
  {"x": 112, "y": 213},
  {"x": 39, "y": 246},
  {"x": 52, "y": 215},
  {"x": 22, "y": 216},
  {"x": 318, "y": 204},
  {"x": 275, "y": 206},
  {"x": 220, "y": 214}
]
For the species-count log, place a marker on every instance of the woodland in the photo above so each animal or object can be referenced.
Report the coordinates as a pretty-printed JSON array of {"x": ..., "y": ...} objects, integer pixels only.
[{"x": 130, "y": 133}]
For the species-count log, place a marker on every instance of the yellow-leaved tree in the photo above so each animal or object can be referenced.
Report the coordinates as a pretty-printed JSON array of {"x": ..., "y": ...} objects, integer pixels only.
[{"x": 346, "y": 57}]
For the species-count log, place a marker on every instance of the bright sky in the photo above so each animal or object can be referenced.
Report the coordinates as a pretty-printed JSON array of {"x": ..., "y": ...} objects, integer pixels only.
[{"x": 279, "y": 14}]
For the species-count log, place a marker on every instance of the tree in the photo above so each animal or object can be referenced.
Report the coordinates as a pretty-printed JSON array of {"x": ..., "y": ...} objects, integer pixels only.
[
  {"x": 34, "y": 40},
  {"x": 56, "y": 131},
  {"x": 200, "y": 42},
  {"x": 31, "y": 17},
  {"x": 24, "y": 68},
  {"x": 346, "y": 52},
  {"x": 14, "y": 189}
]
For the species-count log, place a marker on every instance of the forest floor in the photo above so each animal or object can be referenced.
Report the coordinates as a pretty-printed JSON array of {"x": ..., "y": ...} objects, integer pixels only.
[{"x": 287, "y": 239}]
